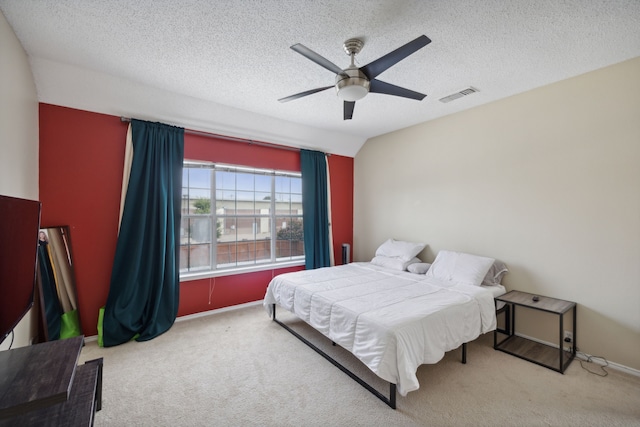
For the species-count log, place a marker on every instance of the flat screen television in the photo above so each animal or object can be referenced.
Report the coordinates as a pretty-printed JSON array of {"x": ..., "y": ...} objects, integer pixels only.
[{"x": 19, "y": 228}]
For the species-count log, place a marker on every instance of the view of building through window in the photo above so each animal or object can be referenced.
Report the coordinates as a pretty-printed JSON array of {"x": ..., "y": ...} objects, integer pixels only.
[{"x": 237, "y": 217}]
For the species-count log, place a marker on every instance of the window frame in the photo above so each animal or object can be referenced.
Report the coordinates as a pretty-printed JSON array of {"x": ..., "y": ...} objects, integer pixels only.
[{"x": 273, "y": 263}]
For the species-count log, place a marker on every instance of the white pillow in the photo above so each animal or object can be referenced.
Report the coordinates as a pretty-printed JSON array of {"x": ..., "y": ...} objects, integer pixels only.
[
  {"x": 393, "y": 263},
  {"x": 399, "y": 249},
  {"x": 459, "y": 267},
  {"x": 495, "y": 273},
  {"x": 419, "y": 267}
]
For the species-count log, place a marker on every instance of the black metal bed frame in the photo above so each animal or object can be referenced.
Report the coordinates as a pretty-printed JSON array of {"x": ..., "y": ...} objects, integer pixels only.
[{"x": 391, "y": 400}]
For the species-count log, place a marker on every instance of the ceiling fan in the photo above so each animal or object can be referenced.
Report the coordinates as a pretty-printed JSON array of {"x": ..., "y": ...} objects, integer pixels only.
[{"x": 354, "y": 83}]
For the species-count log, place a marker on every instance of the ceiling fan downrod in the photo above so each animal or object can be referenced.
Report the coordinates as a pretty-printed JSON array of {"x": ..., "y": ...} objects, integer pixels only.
[{"x": 353, "y": 47}]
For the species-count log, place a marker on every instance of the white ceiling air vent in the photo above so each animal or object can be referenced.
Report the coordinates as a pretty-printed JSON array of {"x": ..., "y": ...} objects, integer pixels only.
[{"x": 459, "y": 94}]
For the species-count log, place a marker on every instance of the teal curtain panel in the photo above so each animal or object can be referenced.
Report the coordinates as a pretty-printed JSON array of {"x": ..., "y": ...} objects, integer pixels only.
[
  {"x": 315, "y": 209},
  {"x": 145, "y": 286}
]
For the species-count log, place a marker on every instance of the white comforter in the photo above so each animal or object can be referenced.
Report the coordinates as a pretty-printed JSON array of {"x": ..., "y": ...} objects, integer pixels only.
[{"x": 392, "y": 321}]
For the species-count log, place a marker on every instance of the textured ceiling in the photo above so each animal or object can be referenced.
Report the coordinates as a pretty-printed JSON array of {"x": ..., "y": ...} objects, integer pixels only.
[{"x": 220, "y": 66}]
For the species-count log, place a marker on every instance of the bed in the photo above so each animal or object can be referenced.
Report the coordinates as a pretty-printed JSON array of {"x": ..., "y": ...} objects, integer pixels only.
[{"x": 391, "y": 319}]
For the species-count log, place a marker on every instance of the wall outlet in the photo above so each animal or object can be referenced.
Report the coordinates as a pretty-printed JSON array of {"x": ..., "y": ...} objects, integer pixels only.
[{"x": 568, "y": 336}]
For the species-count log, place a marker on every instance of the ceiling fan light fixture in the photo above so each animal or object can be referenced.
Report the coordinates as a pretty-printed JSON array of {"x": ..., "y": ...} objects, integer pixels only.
[
  {"x": 352, "y": 92},
  {"x": 352, "y": 85}
]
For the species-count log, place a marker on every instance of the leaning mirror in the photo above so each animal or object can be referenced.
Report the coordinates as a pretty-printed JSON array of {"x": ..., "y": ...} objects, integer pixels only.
[{"x": 56, "y": 285}]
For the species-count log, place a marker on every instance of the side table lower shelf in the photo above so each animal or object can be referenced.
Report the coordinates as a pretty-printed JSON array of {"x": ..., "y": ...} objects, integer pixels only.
[{"x": 535, "y": 352}]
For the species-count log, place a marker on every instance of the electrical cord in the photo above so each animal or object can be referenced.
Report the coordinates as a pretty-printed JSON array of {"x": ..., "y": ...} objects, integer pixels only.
[{"x": 585, "y": 358}]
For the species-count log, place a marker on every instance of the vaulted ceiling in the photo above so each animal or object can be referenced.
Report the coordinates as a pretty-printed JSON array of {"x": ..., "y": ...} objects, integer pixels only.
[{"x": 221, "y": 66}]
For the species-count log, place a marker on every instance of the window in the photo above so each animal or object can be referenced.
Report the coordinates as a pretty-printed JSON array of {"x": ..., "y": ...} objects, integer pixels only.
[{"x": 235, "y": 217}]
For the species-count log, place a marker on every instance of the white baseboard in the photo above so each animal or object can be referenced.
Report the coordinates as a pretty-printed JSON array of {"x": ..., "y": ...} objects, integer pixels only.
[
  {"x": 198, "y": 315},
  {"x": 218, "y": 310},
  {"x": 597, "y": 360}
]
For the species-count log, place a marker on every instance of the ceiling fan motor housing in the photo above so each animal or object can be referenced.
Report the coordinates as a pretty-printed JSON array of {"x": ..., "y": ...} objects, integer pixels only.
[{"x": 352, "y": 86}]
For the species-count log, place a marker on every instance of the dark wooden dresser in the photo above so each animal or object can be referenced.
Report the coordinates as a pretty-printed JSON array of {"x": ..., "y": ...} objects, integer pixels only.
[{"x": 42, "y": 385}]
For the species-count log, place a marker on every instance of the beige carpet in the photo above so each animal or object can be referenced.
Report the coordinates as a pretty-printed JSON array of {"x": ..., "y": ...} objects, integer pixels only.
[{"x": 239, "y": 368}]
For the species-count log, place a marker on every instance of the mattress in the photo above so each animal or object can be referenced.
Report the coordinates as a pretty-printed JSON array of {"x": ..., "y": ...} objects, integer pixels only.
[{"x": 393, "y": 321}]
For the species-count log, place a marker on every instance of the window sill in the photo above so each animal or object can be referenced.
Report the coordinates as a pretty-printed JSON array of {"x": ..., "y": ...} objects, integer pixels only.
[{"x": 242, "y": 270}]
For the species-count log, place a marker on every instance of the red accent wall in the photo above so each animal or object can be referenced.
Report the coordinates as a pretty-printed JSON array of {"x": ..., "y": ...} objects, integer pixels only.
[
  {"x": 81, "y": 163},
  {"x": 341, "y": 183}
]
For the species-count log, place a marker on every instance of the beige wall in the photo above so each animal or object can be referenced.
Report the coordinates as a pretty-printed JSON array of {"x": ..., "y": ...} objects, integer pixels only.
[
  {"x": 18, "y": 139},
  {"x": 547, "y": 181}
]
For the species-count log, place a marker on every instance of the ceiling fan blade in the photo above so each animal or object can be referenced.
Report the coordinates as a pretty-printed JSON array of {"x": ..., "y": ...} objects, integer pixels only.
[
  {"x": 375, "y": 68},
  {"x": 378, "y": 86},
  {"x": 348, "y": 109},
  {"x": 305, "y": 93},
  {"x": 318, "y": 59}
]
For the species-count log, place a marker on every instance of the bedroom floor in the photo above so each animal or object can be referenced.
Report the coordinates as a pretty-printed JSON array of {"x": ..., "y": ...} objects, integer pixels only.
[{"x": 240, "y": 368}]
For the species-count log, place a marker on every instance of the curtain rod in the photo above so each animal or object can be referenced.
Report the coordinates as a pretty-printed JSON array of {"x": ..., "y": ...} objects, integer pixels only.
[{"x": 229, "y": 138}]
